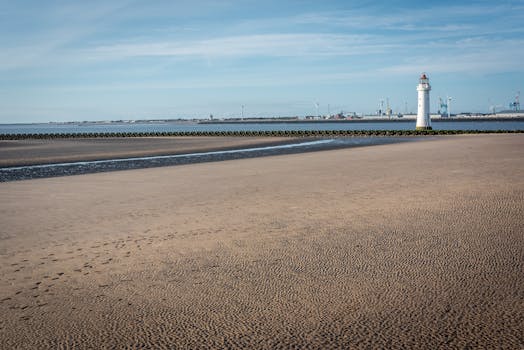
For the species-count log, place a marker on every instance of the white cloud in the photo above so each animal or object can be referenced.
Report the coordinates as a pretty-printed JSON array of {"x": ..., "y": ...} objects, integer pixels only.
[
  {"x": 458, "y": 19},
  {"x": 473, "y": 59},
  {"x": 247, "y": 45},
  {"x": 59, "y": 27}
]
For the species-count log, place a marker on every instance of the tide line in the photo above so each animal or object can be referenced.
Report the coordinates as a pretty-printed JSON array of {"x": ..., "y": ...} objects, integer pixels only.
[{"x": 105, "y": 161}]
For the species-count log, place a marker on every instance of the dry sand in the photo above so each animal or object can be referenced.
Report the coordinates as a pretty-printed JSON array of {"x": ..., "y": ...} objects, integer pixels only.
[{"x": 413, "y": 245}]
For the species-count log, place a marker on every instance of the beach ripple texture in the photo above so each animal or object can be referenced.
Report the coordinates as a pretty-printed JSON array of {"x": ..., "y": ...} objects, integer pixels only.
[{"x": 378, "y": 247}]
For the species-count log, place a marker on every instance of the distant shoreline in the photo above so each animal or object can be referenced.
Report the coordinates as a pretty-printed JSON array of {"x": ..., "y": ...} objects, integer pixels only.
[
  {"x": 275, "y": 121},
  {"x": 374, "y": 120}
]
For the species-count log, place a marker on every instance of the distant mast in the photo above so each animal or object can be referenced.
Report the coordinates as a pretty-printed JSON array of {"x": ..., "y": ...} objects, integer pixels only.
[{"x": 423, "y": 117}]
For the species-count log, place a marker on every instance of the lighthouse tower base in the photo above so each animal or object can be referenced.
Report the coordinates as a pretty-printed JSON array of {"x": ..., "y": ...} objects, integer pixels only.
[{"x": 423, "y": 128}]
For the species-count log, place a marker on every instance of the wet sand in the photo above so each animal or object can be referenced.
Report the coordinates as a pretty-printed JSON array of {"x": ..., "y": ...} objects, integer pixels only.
[
  {"x": 410, "y": 245},
  {"x": 183, "y": 151},
  {"x": 28, "y": 152}
]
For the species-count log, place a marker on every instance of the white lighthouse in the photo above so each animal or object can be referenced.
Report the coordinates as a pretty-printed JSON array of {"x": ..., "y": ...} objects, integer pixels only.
[{"x": 423, "y": 118}]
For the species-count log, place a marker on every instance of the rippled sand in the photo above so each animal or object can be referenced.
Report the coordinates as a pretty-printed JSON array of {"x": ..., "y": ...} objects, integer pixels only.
[{"x": 414, "y": 245}]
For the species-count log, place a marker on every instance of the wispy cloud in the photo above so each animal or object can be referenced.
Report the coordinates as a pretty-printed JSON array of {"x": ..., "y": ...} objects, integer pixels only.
[
  {"x": 473, "y": 57},
  {"x": 248, "y": 45},
  {"x": 64, "y": 25},
  {"x": 430, "y": 18},
  {"x": 99, "y": 50}
]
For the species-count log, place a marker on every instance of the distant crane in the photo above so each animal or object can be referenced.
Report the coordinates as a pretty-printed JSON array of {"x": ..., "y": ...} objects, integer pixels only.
[
  {"x": 388, "y": 109},
  {"x": 444, "y": 107},
  {"x": 493, "y": 108},
  {"x": 380, "y": 111},
  {"x": 516, "y": 104}
]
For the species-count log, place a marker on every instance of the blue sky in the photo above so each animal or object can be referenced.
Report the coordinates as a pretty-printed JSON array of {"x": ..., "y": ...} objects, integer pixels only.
[{"x": 121, "y": 59}]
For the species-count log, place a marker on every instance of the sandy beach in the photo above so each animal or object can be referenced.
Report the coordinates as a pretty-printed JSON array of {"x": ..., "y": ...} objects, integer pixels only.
[{"x": 409, "y": 245}]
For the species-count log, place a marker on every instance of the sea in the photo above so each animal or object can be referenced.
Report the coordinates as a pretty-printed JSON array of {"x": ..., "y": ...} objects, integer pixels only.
[{"x": 251, "y": 126}]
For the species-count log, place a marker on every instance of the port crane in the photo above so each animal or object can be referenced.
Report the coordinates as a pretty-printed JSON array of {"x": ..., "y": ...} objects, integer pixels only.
[
  {"x": 515, "y": 105},
  {"x": 444, "y": 109}
]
